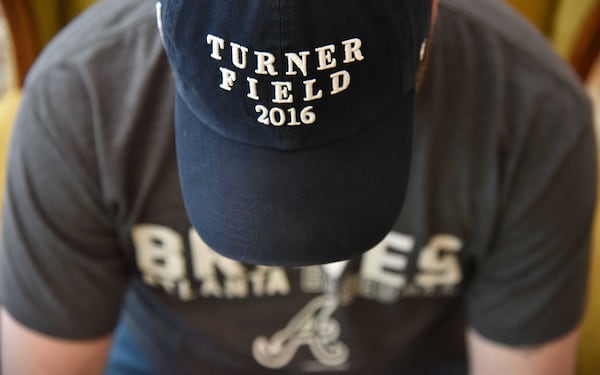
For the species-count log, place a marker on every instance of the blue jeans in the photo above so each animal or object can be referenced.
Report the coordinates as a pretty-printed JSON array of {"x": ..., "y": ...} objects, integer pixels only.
[{"x": 125, "y": 356}]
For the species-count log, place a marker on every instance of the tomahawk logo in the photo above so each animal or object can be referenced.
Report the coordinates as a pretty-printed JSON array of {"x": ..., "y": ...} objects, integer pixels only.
[{"x": 313, "y": 326}]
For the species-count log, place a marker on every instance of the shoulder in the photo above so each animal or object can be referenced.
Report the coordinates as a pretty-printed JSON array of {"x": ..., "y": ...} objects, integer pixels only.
[
  {"x": 106, "y": 33},
  {"x": 493, "y": 34},
  {"x": 100, "y": 66},
  {"x": 104, "y": 77}
]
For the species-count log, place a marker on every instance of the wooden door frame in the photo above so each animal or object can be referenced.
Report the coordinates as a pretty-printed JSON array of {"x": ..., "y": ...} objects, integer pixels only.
[
  {"x": 587, "y": 46},
  {"x": 23, "y": 34}
]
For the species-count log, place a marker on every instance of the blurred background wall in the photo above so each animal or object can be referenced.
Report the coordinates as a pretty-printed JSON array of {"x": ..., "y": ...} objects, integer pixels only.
[
  {"x": 560, "y": 20},
  {"x": 51, "y": 15},
  {"x": 566, "y": 24}
]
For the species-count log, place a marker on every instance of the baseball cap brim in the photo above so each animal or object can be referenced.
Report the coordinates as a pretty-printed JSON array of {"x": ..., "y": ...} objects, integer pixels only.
[{"x": 294, "y": 208}]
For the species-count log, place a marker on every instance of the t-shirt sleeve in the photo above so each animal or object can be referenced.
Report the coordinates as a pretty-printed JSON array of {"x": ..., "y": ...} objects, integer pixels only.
[
  {"x": 63, "y": 273},
  {"x": 530, "y": 284}
]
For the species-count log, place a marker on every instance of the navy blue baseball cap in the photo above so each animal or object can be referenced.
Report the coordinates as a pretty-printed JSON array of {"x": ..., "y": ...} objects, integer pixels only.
[{"x": 293, "y": 121}]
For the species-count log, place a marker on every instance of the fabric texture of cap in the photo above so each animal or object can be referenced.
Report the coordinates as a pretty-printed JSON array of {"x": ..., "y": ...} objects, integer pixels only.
[{"x": 293, "y": 121}]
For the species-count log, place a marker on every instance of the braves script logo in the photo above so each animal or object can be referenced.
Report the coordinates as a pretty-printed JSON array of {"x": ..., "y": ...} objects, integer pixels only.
[
  {"x": 296, "y": 63},
  {"x": 384, "y": 275}
]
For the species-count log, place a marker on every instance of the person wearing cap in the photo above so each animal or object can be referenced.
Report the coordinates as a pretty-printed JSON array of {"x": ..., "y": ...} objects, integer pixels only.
[{"x": 333, "y": 186}]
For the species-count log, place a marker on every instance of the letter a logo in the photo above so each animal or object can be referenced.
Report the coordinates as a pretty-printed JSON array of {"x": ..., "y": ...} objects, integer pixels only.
[{"x": 314, "y": 327}]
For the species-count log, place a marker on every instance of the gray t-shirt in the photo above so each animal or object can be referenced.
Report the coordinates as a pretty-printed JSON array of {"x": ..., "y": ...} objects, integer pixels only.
[{"x": 494, "y": 233}]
